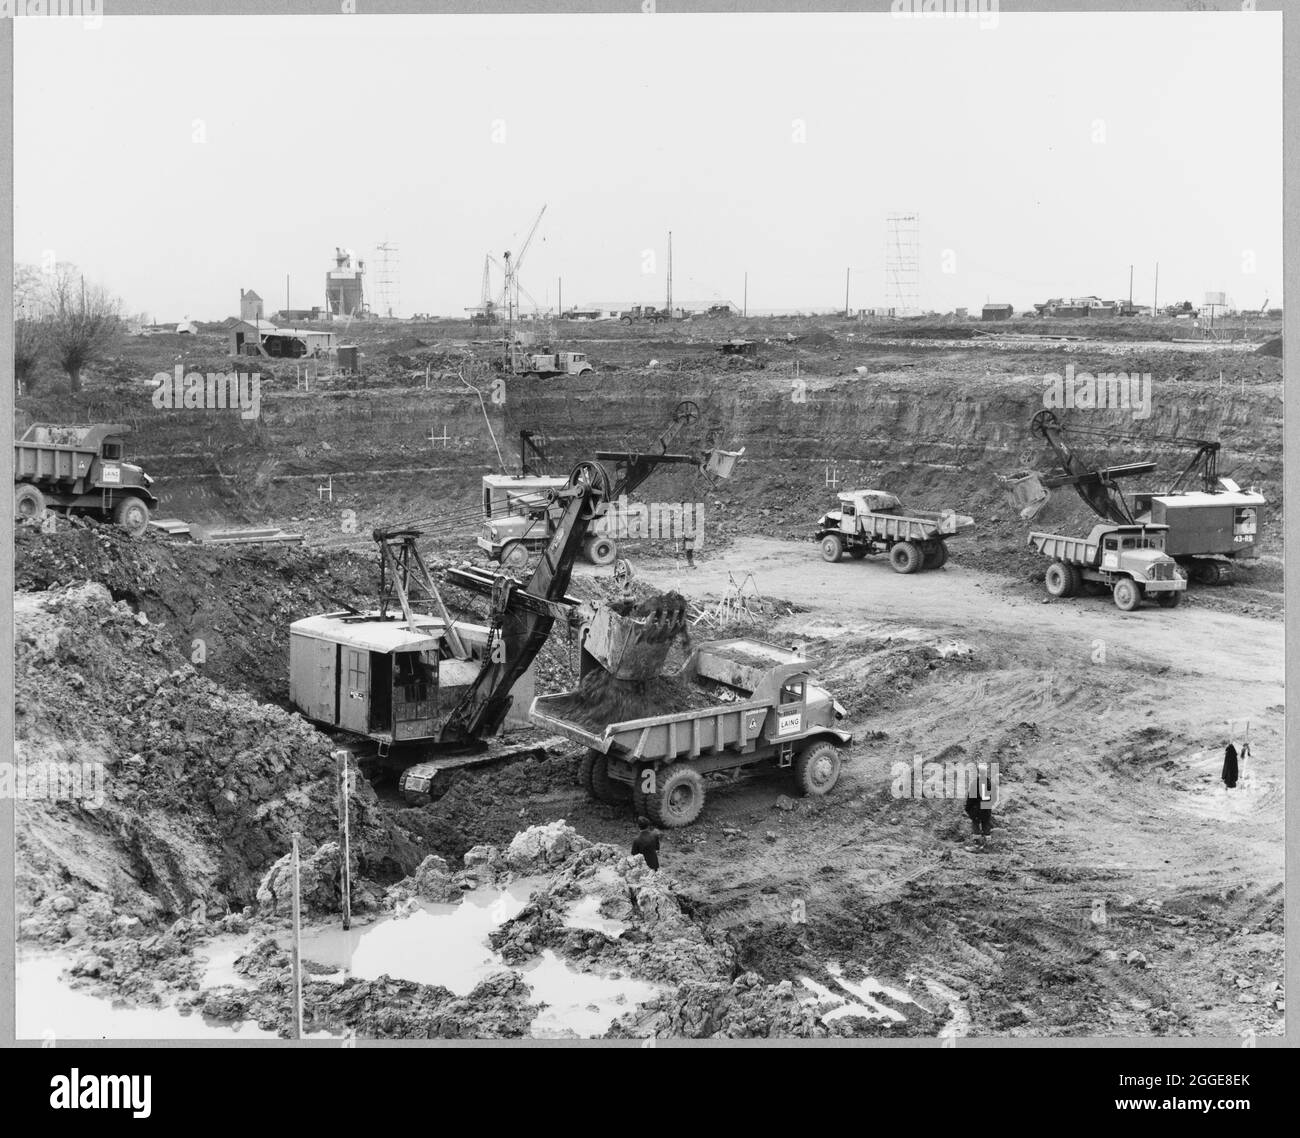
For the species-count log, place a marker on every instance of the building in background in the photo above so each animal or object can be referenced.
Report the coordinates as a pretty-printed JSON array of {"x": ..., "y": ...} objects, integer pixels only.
[
  {"x": 262, "y": 339},
  {"x": 250, "y": 306},
  {"x": 997, "y": 312},
  {"x": 344, "y": 286}
]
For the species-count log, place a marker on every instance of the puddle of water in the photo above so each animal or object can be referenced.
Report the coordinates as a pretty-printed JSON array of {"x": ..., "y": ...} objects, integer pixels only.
[
  {"x": 585, "y": 914},
  {"x": 220, "y": 954},
  {"x": 46, "y": 1007},
  {"x": 582, "y": 1003},
  {"x": 448, "y": 945},
  {"x": 435, "y": 944}
]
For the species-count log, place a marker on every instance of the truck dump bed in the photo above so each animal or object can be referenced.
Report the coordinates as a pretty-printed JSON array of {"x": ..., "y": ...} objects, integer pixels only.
[
  {"x": 755, "y": 670},
  {"x": 1071, "y": 550},
  {"x": 49, "y": 453}
]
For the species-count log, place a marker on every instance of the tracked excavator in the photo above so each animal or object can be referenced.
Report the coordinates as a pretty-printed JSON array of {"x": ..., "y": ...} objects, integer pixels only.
[
  {"x": 1209, "y": 528},
  {"x": 431, "y": 692}
]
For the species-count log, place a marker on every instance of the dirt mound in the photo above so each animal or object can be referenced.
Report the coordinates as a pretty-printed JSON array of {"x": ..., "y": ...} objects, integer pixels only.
[
  {"x": 1271, "y": 347},
  {"x": 227, "y": 610},
  {"x": 197, "y": 788}
]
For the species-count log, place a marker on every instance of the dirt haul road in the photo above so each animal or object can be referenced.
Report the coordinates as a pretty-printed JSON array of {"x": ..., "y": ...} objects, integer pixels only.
[{"x": 1124, "y": 890}]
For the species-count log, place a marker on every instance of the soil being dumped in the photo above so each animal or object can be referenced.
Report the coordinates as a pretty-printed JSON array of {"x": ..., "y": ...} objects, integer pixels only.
[{"x": 602, "y": 699}]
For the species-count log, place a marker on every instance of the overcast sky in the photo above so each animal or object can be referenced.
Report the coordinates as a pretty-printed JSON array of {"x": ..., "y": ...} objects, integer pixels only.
[{"x": 177, "y": 160}]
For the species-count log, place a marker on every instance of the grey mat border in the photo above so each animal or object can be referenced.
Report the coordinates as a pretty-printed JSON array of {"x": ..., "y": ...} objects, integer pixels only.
[{"x": 1291, "y": 476}]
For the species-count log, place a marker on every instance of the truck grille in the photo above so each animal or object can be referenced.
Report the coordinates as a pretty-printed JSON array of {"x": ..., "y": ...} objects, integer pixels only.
[{"x": 1163, "y": 571}]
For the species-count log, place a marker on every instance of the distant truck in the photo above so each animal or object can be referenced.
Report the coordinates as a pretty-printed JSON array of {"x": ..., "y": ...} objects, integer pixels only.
[
  {"x": 874, "y": 521},
  {"x": 644, "y": 312},
  {"x": 79, "y": 470},
  {"x": 519, "y": 519},
  {"x": 1130, "y": 560},
  {"x": 554, "y": 363},
  {"x": 776, "y": 716}
]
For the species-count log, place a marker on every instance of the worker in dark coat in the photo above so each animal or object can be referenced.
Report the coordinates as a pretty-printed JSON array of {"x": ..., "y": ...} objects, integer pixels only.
[
  {"x": 978, "y": 809},
  {"x": 1230, "y": 767},
  {"x": 646, "y": 843}
]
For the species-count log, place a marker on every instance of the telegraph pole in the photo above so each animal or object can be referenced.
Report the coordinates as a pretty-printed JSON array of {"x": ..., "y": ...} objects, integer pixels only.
[
  {"x": 297, "y": 946},
  {"x": 1130, "y": 286},
  {"x": 744, "y": 307},
  {"x": 670, "y": 275},
  {"x": 846, "y": 292}
]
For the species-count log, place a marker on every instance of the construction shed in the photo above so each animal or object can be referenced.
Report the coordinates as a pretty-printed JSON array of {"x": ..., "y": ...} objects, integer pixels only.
[
  {"x": 997, "y": 312},
  {"x": 258, "y": 339}
]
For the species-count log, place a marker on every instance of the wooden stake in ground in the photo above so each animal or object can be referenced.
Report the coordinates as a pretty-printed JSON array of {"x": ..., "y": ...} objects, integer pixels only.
[
  {"x": 345, "y": 848},
  {"x": 297, "y": 945}
]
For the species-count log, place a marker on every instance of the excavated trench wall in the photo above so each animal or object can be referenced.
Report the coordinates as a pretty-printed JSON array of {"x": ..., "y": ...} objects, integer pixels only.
[{"x": 934, "y": 441}]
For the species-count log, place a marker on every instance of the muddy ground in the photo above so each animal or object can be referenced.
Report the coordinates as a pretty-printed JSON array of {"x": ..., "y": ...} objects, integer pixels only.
[{"x": 1123, "y": 891}]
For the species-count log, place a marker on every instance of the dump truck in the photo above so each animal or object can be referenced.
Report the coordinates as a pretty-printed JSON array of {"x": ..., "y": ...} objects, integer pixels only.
[
  {"x": 643, "y": 312},
  {"x": 80, "y": 470},
  {"x": 874, "y": 521},
  {"x": 1130, "y": 560},
  {"x": 554, "y": 363},
  {"x": 764, "y": 709}
]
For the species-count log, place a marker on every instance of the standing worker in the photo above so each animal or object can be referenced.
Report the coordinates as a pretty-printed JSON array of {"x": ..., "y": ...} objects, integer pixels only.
[
  {"x": 1229, "y": 774},
  {"x": 646, "y": 843},
  {"x": 979, "y": 802}
]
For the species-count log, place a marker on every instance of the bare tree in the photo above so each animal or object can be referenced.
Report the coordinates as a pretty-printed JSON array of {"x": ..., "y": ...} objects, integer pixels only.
[
  {"x": 29, "y": 338},
  {"x": 84, "y": 324}
]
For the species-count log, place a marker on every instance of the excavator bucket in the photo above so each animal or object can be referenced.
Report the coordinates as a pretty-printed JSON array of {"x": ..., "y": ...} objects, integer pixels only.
[
  {"x": 633, "y": 644},
  {"x": 720, "y": 463},
  {"x": 1027, "y": 494}
]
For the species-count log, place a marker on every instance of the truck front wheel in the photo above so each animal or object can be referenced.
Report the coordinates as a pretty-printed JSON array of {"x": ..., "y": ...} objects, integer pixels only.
[
  {"x": 1127, "y": 594},
  {"x": 817, "y": 769},
  {"x": 29, "y": 503},
  {"x": 678, "y": 797},
  {"x": 132, "y": 514},
  {"x": 905, "y": 557},
  {"x": 513, "y": 556},
  {"x": 832, "y": 547}
]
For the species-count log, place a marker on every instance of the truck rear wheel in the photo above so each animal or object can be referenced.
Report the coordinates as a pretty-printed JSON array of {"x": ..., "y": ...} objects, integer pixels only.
[
  {"x": 602, "y": 787},
  {"x": 1127, "y": 594},
  {"x": 817, "y": 769},
  {"x": 29, "y": 503},
  {"x": 600, "y": 550},
  {"x": 678, "y": 797},
  {"x": 132, "y": 514},
  {"x": 1059, "y": 580},
  {"x": 832, "y": 547},
  {"x": 905, "y": 557},
  {"x": 1169, "y": 600}
]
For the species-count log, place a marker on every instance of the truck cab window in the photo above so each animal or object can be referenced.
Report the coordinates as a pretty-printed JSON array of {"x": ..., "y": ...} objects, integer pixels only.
[{"x": 792, "y": 692}]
